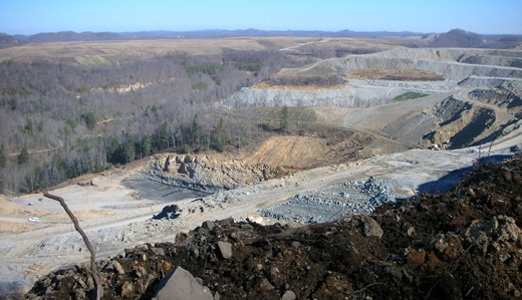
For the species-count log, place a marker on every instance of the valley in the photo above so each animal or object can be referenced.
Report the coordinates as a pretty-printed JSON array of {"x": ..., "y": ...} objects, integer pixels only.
[{"x": 364, "y": 130}]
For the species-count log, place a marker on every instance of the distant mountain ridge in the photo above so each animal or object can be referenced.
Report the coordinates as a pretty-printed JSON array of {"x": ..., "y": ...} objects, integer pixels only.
[{"x": 453, "y": 38}]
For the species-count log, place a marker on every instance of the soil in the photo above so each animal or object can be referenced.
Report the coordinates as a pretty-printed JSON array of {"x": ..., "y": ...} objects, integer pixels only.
[
  {"x": 463, "y": 244},
  {"x": 395, "y": 74}
]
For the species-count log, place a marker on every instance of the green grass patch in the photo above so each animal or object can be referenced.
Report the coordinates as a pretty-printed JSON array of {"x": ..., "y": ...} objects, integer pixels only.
[
  {"x": 200, "y": 85},
  {"x": 93, "y": 60},
  {"x": 409, "y": 95}
]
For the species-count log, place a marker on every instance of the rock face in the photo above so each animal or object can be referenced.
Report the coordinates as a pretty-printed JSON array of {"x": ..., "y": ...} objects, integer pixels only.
[
  {"x": 342, "y": 97},
  {"x": 456, "y": 67},
  {"x": 181, "y": 285}
]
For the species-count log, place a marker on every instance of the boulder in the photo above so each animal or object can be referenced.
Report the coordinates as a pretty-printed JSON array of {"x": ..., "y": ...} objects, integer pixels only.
[
  {"x": 181, "y": 285},
  {"x": 169, "y": 212},
  {"x": 289, "y": 295},
  {"x": 166, "y": 165},
  {"x": 225, "y": 249},
  {"x": 208, "y": 225},
  {"x": 372, "y": 228},
  {"x": 183, "y": 168}
]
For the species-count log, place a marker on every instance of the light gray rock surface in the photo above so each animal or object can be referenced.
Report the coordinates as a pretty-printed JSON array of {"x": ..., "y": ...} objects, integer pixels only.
[
  {"x": 181, "y": 285},
  {"x": 225, "y": 249}
]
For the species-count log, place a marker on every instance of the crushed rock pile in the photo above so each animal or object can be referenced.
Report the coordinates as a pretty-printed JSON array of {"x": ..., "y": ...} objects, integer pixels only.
[
  {"x": 463, "y": 244},
  {"x": 333, "y": 202}
]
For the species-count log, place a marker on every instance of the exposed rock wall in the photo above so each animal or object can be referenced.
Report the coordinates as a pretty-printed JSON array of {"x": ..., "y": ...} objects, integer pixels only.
[{"x": 344, "y": 97}]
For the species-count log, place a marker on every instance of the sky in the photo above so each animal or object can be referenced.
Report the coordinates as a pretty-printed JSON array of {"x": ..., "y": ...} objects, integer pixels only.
[{"x": 486, "y": 17}]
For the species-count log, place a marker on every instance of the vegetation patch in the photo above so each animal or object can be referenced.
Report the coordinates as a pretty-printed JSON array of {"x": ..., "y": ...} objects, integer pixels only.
[
  {"x": 209, "y": 69},
  {"x": 200, "y": 85},
  {"x": 93, "y": 60},
  {"x": 409, "y": 95}
]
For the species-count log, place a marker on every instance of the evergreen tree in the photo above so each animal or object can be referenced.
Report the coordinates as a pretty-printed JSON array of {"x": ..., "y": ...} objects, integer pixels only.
[
  {"x": 146, "y": 145},
  {"x": 23, "y": 157},
  {"x": 29, "y": 128},
  {"x": 284, "y": 119},
  {"x": 222, "y": 136},
  {"x": 114, "y": 155},
  {"x": 130, "y": 150},
  {"x": 164, "y": 137},
  {"x": 90, "y": 119},
  {"x": 2, "y": 157},
  {"x": 196, "y": 130}
]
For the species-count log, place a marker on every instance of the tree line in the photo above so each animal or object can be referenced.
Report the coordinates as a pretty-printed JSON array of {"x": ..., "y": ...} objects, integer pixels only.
[{"x": 61, "y": 120}]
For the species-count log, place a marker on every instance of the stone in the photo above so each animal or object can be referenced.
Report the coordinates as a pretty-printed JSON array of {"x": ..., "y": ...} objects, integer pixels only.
[
  {"x": 411, "y": 231},
  {"x": 189, "y": 159},
  {"x": 371, "y": 228},
  {"x": 265, "y": 285},
  {"x": 183, "y": 168},
  {"x": 127, "y": 289},
  {"x": 225, "y": 249},
  {"x": 181, "y": 285},
  {"x": 166, "y": 166},
  {"x": 117, "y": 266},
  {"x": 158, "y": 251},
  {"x": 289, "y": 295},
  {"x": 168, "y": 212},
  {"x": 209, "y": 225}
]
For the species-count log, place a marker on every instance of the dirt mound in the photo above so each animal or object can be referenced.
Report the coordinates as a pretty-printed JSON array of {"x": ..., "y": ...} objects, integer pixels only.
[
  {"x": 464, "y": 244},
  {"x": 304, "y": 152},
  {"x": 395, "y": 74}
]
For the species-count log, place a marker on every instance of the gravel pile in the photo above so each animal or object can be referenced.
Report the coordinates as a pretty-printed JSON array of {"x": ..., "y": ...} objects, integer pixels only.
[{"x": 331, "y": 203}]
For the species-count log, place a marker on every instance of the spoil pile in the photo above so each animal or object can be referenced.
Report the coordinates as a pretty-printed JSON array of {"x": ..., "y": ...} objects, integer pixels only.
[
  {"x": 463, "y": 244},
  {"x": 331, "y": 203}
]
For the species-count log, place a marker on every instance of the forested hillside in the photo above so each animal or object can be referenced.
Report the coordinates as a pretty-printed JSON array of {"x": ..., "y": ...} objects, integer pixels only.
[{"x": 61, "y": 120}]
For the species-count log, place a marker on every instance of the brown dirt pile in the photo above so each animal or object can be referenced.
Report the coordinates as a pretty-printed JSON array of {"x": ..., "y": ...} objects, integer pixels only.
[
  {"x": 395, "y": 74},
  {"x": 464, "y": 244}
]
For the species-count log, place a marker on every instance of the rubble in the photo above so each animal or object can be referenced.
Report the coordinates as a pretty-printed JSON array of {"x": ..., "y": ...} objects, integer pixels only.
[
  {"x": 331, "y": 203},
  {"x": 466, "y": 244}
]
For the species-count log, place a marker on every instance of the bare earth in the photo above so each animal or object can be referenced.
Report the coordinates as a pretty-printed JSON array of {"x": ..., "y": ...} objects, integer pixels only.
[{"x": 116, "y": 208}]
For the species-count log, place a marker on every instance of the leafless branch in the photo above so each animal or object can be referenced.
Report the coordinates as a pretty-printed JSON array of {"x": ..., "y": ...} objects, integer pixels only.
[{"x": 98, "y": 287}]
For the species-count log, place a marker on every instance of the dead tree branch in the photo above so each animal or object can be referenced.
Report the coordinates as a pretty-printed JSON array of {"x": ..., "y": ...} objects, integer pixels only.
[{"x": 98, "y": 287}]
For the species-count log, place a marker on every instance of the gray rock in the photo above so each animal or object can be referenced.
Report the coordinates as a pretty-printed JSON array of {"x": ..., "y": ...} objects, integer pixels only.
[
  {"x": 183, "y": 169},
  {"x": 265, "y": 284},
  {"x": 208, "y": 225},
  {"x": 372, "y": 228},
  {"x": 158, "y": 251},
  {"x": 166, "y": 167},
  {"x": 289, "y": 295},
  {"x": 225, "y": 249},
  {"x": 181, "y": 285},
  {"x": 117, "y": 266}
]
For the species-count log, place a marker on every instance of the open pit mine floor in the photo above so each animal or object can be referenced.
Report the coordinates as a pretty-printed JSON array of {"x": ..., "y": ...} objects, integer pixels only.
[{"x": 117, "y": 216}]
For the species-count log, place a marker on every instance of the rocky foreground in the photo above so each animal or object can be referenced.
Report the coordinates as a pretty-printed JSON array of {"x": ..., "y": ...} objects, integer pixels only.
[{"x": 463, "y": 244}]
